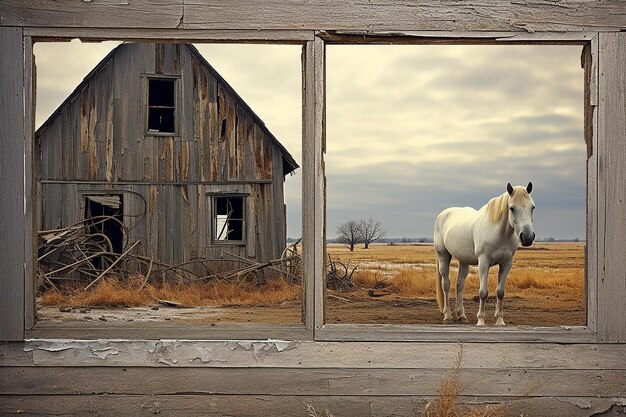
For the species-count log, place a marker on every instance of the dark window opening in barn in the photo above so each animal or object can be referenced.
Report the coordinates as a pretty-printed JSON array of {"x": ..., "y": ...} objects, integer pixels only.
[
  {"x": 161, "y": 105},
  {"x": 228, "y": 219},
  {"x": 104, "y": 216}
]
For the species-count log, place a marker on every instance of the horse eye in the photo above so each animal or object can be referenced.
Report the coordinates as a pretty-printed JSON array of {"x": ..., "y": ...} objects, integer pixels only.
[{"x": 512, "y": 209}]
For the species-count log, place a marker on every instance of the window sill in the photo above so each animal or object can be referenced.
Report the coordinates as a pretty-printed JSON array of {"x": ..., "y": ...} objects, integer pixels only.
[
  {"x": 454, "y": 333},
  {"x": 168, "y": 330}
]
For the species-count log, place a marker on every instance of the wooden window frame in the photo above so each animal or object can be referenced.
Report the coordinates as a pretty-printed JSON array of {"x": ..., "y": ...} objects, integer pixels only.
[
  {"x": 605, "y": 169},
  {"x": 145, "y": 80},
  {"x": 213, "y": 230}
]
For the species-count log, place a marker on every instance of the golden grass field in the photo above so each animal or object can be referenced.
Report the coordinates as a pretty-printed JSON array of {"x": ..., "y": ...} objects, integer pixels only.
[
  {"x": 545, "y": 287},
  {"x": 545, "y": 269}
]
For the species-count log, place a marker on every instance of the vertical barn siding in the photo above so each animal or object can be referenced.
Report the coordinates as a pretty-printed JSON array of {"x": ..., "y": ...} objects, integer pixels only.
[{"x": 99, "y": 137}]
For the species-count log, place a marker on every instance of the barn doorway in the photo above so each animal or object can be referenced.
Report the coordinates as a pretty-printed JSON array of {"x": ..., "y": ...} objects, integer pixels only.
[{"x": 104, "y": 214}]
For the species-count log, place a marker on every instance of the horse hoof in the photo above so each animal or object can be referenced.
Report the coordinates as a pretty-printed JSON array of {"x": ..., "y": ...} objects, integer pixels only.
[
  {"x": 448, "y": 321},
  {"x": 500, "y": 322},
  {"x": 463, "y": 320},
  {"x": 481, "y": 323}
]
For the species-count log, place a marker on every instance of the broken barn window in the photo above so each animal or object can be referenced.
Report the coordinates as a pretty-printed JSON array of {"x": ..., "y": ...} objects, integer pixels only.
[
  {"x": 162, "y": 105},
  {"x": 228, "y": 219}
]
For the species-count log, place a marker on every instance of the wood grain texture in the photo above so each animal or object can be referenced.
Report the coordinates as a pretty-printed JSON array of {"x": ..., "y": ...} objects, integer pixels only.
[
  {"x": 30, "y": 174},
  {"x": 12, "y": 226},
  {"x": 303, "y": 381},
  {"x": 257, "y": 352},
  {"x": 289, "y": 406},
  {"x": 590, "y": 64},
  {"x": 482, "y": 15},
  {"x": 111, "y": 150},
  {"x": 611, "y": 187}
]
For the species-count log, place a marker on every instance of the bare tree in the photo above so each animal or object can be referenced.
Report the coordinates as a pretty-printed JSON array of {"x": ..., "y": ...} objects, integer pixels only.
[
  {"x": 349, "y": 234},
  {"x": 371, "y": 231}
]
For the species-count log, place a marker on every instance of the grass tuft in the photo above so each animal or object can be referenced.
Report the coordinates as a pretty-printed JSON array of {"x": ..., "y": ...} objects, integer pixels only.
[{"x": 448, "y": 392}]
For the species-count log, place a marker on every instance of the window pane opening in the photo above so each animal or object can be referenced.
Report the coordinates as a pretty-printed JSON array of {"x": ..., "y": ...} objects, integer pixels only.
[
  {"x": 229, "y": 218},
  {"x": 161, "y": 105},
  {"x": 226, "y": 122},
  {"x": 431, "y": 127}
]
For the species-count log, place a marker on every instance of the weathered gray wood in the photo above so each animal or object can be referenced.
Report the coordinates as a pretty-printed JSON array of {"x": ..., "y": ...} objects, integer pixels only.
[
  {"x": 144, "y": 14},
  {"x": 309, "y": 238},
  {"x": 14, "y": 253},
  {"x": 590, "y": 65},
  {"x": 288, "y": 406},
  {"x": 195, "y": 331},
  {"x": 30, "y": 209},
  {"x": 319, "y": 175},
  {"x": 279, "y": 381},
  {"x": 269, "y": 353},
  {"x": 611, "y": 187},
  {"x": 339, "y": 15},
  {"x": 436, "y": 37},
  {"x": 169, "y": 35},
  {"x": 112, "y": 148},
  {"x": 391, "y": 332}
]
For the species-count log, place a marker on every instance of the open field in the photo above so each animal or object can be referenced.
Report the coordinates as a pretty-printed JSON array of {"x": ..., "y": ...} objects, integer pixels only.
[
  {"x": 392, "y": 284},
  {"x": 544, "y": 287}
]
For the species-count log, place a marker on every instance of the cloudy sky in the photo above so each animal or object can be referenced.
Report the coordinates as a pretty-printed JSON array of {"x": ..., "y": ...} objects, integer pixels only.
[{"x": 411, "y": 130}]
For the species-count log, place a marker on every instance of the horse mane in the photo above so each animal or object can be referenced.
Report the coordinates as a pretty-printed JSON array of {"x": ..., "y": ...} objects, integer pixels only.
[{"x": 498, "y": 206}]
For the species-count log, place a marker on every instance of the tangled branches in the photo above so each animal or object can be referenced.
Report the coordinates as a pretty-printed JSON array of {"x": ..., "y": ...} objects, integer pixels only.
[{"x": 83, "y": 255}]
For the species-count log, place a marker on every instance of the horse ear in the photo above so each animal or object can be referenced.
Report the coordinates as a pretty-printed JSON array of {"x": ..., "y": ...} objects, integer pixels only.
[
  {"x": 509, "y": 188},
  {"x": 529, "y": 187}
]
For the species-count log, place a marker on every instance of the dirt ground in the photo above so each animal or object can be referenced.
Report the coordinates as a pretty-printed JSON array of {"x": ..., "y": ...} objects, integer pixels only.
[
  {"x": 389, "y": 309},
  {"x": 549, "y": 306}
]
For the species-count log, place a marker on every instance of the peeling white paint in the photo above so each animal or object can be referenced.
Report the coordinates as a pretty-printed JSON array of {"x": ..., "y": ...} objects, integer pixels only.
[
  {"x": 583, "y": 403},
  {"x": 104, "y": 352}
]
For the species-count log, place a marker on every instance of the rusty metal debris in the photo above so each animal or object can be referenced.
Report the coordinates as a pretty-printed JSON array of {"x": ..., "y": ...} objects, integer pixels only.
[{"x": 339, "y": 275}]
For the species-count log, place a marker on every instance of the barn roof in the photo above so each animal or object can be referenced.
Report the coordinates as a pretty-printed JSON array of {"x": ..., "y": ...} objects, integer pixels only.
[{"x": 289, "y": 163}]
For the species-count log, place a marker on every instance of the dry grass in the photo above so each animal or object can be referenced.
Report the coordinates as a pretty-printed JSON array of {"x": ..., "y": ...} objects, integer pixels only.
[
  {"x": 110, "y": 292},
  {"x": 545, "y": 270},
  {"x": 448, "y": 392}
]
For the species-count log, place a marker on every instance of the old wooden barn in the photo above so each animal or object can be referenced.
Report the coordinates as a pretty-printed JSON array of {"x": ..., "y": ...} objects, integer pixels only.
[
  {"x": 155, "y": 137},
  {"x": 346, "y": 369}
]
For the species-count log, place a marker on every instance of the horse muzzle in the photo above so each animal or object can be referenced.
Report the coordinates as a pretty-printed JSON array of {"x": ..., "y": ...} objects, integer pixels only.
[{"x": 527, "y": 238}]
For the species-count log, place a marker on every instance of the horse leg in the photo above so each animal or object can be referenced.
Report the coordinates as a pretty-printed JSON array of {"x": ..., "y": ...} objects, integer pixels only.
[
  {"x": 502, "y": 274},
  {"x": 483, "y": 274},
  {"x": 444, "y": 273},
  {"x": 460, "y": 286}
]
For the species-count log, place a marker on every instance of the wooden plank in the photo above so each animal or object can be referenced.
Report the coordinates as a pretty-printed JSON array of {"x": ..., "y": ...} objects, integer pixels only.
[
  {"x": 481, "y": 15},
  {"x": 165, "y": 348},
  {"x": 303, "y": 381},
  {"x": 392, "y": 332},
  {"x": 590, "y": 65},
  {"x": 288, "y": 406},
  {"x": 313, "y": 200},
  {"x": 611, "y": 187},
  {"x": 170, "y": 35},
  {"x": 30, "y": 188},
  {"x": 457, "y": 37},
  {"x": 144, "y": 14},
  {"x": 14, "y": 253}
]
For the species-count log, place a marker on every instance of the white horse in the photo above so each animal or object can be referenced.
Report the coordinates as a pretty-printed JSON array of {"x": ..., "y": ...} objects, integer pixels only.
[{"x": 487, "y": 237}]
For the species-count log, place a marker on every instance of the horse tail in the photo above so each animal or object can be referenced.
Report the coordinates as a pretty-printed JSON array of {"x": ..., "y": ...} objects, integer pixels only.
[{"x": 439, "y": 287}]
